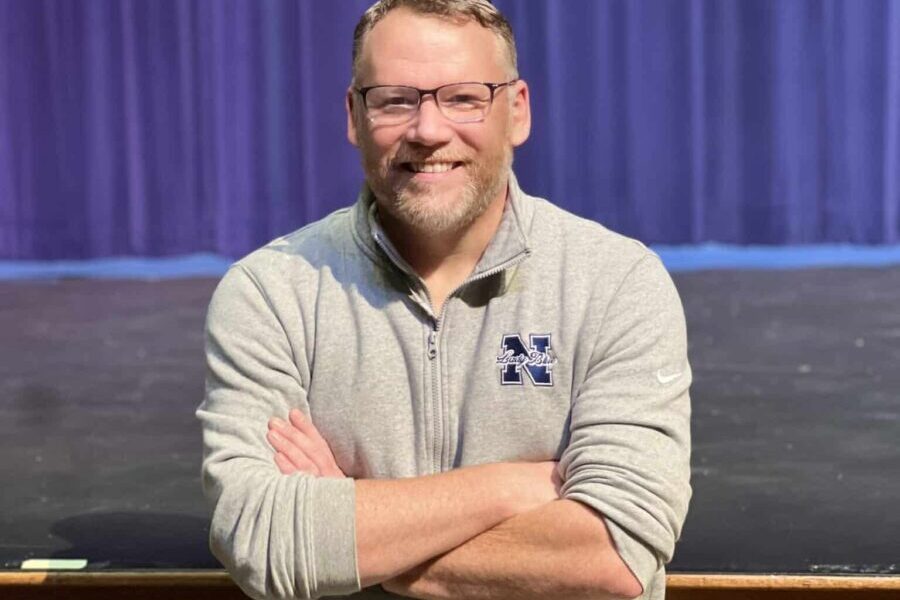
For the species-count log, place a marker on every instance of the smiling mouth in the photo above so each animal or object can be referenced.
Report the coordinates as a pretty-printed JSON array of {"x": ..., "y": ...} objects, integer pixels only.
[{"x": 430, "y": 167}]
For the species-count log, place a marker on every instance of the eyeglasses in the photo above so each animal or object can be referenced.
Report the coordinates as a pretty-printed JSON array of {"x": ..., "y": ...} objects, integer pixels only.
[{"x": 467, "y": 102}]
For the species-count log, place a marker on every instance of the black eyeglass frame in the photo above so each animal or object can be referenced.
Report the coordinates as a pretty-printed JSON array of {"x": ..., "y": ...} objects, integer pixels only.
[{"x": 493, "y": 87}]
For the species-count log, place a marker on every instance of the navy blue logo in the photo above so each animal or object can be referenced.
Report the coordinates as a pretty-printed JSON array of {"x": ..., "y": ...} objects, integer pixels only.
[{"x": 536, "y": 360}]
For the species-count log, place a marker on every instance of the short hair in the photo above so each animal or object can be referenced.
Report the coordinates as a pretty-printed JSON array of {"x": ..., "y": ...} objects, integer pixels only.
[{"x": 481, "y": 11}]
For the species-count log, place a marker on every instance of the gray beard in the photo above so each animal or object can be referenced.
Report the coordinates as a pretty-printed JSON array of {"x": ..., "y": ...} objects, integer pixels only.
[{"x": 423, "y": 213}]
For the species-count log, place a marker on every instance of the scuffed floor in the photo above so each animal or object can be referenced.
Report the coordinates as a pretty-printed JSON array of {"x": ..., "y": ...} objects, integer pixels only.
[{"x": 796, "y": 397}]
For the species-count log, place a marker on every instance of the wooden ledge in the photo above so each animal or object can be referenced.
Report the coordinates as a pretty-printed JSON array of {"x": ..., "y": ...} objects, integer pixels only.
[
  {"x": 835, "y": 583},
  {"x": 199, "y": 578},
  {"x": 675, "y": 581}
]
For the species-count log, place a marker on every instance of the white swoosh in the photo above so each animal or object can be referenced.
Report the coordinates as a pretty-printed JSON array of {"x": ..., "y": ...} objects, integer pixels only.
[{"x": 665, "y": 378}]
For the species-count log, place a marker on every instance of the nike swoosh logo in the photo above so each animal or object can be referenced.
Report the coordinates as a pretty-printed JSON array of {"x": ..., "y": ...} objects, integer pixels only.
[{"x": 665, "y": 378}]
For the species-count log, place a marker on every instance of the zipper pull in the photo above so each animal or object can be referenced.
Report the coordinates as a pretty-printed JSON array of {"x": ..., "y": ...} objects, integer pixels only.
[{"x": 432, "y": 345}]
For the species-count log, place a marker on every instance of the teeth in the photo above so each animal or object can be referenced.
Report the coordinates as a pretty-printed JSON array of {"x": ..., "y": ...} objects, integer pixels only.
[{"x": 435, "y": 167}]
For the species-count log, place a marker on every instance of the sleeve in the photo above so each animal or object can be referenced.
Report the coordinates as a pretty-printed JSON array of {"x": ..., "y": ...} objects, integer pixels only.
[
  {"x": 279, "y": 536},
  {"x": 629, "y": 452}
]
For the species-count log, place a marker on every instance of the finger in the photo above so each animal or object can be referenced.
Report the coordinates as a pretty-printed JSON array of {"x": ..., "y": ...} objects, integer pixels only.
[
  {"x": 285, "y": 446},
  {"x": 298, "y": 437},
  {"x": 296, "y": 455},
  {"x": 284, "y": 464},
  {"x": 320, "y": 452},
  {"x": 310, "y": 447},
  {"x": 304, "y": 424}
]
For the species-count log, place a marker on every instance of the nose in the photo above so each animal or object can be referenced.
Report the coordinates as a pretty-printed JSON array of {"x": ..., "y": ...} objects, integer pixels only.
[{"x": 429, "y": 127}]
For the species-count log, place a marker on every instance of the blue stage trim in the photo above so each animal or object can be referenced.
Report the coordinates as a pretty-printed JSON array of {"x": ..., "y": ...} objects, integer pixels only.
[
  {"x": 707, "y": 257},
  {"x": 676, "y": 258},
  {"x": 173, "y": 267}
]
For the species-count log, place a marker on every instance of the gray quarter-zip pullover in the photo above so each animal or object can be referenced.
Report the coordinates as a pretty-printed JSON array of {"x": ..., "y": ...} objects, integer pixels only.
[{"x": 566, "y": 343}]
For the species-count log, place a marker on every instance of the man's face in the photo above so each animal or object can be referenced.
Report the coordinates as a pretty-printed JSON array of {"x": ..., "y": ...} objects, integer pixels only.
[{"x": 406, "y": 165}]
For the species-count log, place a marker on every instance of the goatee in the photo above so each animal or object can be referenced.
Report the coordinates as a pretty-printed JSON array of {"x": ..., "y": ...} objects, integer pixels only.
[{"x": 421, "y": 208}]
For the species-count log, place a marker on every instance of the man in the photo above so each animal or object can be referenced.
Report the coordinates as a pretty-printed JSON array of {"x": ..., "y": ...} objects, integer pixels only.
[{"x": 451, "y": 389}]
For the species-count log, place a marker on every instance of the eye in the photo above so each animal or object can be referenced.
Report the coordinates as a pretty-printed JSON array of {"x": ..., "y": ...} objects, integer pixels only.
[
  {"x": 466, "y": 96},
  {"x": 398, "y": 101},
  {"x": 392, "y": 99},
  {"x": 464, "y": 99}
]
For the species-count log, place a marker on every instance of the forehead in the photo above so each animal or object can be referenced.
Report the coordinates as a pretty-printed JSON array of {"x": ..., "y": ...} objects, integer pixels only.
[{"x": 407, "y": 48}]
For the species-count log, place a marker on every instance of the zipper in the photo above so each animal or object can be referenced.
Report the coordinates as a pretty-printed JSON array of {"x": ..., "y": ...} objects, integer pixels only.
[
  {"x": 437, "y": 401},
  {"x": 433, "y": 335},
  {"x": 437, "y": 409},
  {"x": 492, "y": 271},
  {"x": 438, "y": 321},
  {"x": 432, "y": 351},
  {"x": 432, "y": 344}
]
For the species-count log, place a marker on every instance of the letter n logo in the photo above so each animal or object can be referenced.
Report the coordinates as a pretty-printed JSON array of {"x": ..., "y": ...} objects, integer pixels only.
[{"x": 536, "y": 360}]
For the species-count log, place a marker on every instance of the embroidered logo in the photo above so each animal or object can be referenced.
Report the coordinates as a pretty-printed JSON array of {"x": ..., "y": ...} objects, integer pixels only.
[
  {"x": 536, "y": 360},
  {"x": 665, "y": 378}
]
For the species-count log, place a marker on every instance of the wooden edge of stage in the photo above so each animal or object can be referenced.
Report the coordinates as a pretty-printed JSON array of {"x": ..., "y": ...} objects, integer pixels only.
[
  {"x": 835, "y": 583},
  {"x": 199, "y": 578},
  {"x": 675, "y": 581}
]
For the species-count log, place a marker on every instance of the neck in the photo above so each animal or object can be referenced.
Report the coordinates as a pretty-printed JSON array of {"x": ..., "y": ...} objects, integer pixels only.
[{"x": 444, "y": 260}]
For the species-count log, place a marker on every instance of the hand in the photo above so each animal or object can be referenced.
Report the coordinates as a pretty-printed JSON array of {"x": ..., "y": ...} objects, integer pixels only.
[{"x": 300, "y": 447}]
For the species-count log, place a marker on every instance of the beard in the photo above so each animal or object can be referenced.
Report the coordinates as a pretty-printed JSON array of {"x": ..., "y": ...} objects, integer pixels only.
[{"x": 427, "y": 209}]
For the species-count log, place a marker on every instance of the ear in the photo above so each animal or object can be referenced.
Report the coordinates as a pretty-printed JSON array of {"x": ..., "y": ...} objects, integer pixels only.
[
  {"x": 521, "y": 113},
  {"x": 349, "y": 104}
]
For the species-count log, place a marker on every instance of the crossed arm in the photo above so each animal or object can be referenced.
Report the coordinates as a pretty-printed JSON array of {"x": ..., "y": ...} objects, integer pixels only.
[{"x": 490, "y": 531}]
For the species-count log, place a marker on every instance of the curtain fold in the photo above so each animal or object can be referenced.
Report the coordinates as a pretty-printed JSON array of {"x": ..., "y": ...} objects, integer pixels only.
[{"x": 159, "y": 127}]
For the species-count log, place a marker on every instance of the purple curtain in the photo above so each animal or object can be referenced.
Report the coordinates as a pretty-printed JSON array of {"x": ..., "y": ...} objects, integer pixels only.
[{"x": 159, "y": 127}]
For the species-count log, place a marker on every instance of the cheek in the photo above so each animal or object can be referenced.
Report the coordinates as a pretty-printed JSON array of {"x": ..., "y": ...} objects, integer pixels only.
[
  {"x": 380, "y": 146},
  {"x": 489, "y": 140},
  {"x": 372, "y": 152}
]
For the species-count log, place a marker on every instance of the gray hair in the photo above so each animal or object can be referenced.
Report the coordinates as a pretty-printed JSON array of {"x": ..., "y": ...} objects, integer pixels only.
[{"x": 481, "y": 11}]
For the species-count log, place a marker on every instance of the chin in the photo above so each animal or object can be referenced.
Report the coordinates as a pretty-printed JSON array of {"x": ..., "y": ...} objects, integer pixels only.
[{"x": 438, "y": 213}]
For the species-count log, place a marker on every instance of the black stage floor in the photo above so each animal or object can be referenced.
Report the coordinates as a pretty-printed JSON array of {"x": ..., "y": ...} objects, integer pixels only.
[{"x": 796, "y": 465}]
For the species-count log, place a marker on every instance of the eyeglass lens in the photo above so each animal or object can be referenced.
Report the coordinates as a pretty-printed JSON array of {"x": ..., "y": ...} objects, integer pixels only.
[{"x": 462, "y": 103}]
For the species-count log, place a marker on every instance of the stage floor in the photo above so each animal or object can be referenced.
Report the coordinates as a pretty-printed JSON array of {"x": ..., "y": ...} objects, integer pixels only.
[{"x": 796, "y": 400}]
